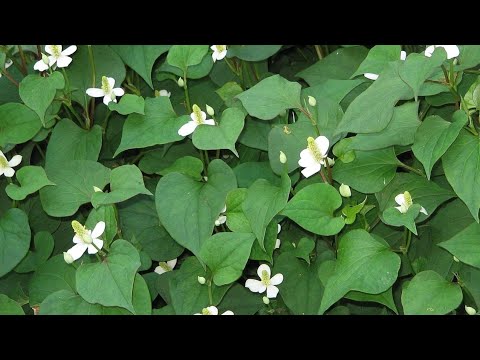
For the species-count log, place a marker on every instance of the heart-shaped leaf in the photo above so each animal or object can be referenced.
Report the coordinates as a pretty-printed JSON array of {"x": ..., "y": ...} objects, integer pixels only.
[
  {"x": 18, "y": 124},
  {"x": 31, "y": 179}
]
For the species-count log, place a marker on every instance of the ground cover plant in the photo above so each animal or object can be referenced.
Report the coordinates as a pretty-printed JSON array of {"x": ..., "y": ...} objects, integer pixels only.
[{"x": 239, "y": 179}]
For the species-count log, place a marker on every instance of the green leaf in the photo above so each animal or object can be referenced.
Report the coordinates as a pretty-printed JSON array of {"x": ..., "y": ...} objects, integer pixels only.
[
  {"x": 392, "y": 216},
  {"x": 301, "y": 288},
  {"x": 9, "y": 306},
  {"x": 430, "y": 294},
  {"x": 43, "y": 247},
  {"x": 333, "y": 89},
  {"x": 271, "y": 235},
  {"x": 270, "y": 97},
  {"x": 252, "y": 52},
  {"x": 223, "y": 136},
  {"x": 241, "y": 301},
  {"x": 236, "y": 219},
  {"x": 255, "y": 133},
  {"x": 110, "y": 283},
  {"x": 461, "y": 162},
  {"x": 105, "y": 213},
  {"x": 158, "y": 126},
  {"x": 399, "y": 131},
  {"x": 304, "y": 248},
  {"x": 183, "y": 56},
  {"x": 384, "y": 298},
  {"x": 187, "y": 165},
  {"x": 364, "y": 264},
  {"x": 370, "y": 172},
  {"x": 67, "y": 302},
  {"x": 129, "y": 104},
  {"x": 188, "y": 209},
  {"x": 465, "y": 245},
  {"x": 18, "y": 124},
  {"x": 226, "y": 255},
  {"x": 313, "y": 209},
  {"x": 69, "y": 142},
  {"x": 14, "y": 239},
  {"x": 141, "y": 58},
  {"x": 157, "y": 160},
  {"x": 31, "y": 179},
  {"x": 194, "y": 72},
  {"x": 378, "y": 57},
  {"x": 74, "y": 186},
  {"x": 262, "y": 202},
  {"x": 469, "y": 57},
  {"x": 38, "y": 92},
  {"x": 52, "y": 276},
  {"x": 125, "y": 182},
  {"x": 435, "y": 136}
]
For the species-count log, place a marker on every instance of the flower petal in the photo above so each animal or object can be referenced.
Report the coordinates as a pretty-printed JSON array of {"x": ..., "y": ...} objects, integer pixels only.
[
  {"x": 214, "y": 56},
  {"x": 172, "y": 263},
  {"x": 14, "y": 161},
  {"x": 70, "y": 50},
  {"x": 221, "y": 55},
  {"x": 1, "y": 171},
  {"x": 228, "y": 312},
  {"x": 49, "y": 49},
  {"x": 224, "y": 209},
  {"x": 306, "y": 159},
  {"x": 371, "y": 76},
  {"x": 423, "y": 211},
  {"x": 429, "y": 51},
  {"x": 272, "y": 291},
  {"x": 309, "y": 171},
  {"x": 40, "y": 66},
  {"x": 452, "y": 51},
  {"x": 403, "y": 55},
  {"x": 8, "y": 172},
  {"x": 107, "y": 99},
  {"x": 98, "y": 229},
  {"x": 77, "y": 250},
  {"x": 187, "y": 128},
  {"x": 400, "y": 199},
  {"x": 111, "y": 82},
  {"x": 160, "y": 270},
  {"x": 400, "y": 208},
  {"x": 261, "y": 268},
  {"x": 209, "y": 122},
  {"x": 323, "y": 144},
  {"x": 63, "y": 61},
  {"x": 118, "y": 91},
  {"x": 255, "y": 285},
  {"x": 94, "y": 92},
  {"x": 221, "y": 220},
  {"x": 51, "y": 60},
  {"x": 92, "y": 249},
  {"x": 277, "y": 279},
  {"x": 213, "y": 47},
  {"x": 213, "y": 310},
  {"x": 277, "y": 244},
  {"x": 279, "y": 228},
  {"x": 77, "y": 240}
]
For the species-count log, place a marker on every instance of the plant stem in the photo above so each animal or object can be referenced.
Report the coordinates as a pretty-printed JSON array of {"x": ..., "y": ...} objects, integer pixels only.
[
  {"x": 9, "y": 77},
  {"x": 329, "y": 172},
  {"x": 210, "y": 297},
  {"x": 217, "y": 154},
  {"x": 24, "y": 62},
  {"x": 72, "y": 110},
  {"x": 227, "y": 61},
  {"x": 323, "y": 176},
  {"x": 187, "y": 95},
  {"x": 39, "y": 52},
  {"x": 67, "y": 83},
  {"x": 92, "y": 101},
  {"x": 409, "y": 168},
  {"x": 42, "y": 154},
  {"x": 318, "y": 49},
  {"x": 408, "y": 240}
]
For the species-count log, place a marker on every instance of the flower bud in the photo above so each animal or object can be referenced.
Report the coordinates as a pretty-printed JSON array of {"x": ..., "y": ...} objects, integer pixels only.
[
  {"x": 266, "y": 300},
  {"x": 210, "y": 110},
  {"x": 68, "y": 258},
  {"x": 331, "y": 161},
  {"x": 312, "y": 101},
  {"x": 201, "y": 280},
  {"x": 283, "y": 157},
  {"x": 45, "y": 59},
  {"x": 163, "y": 93},
  {"x": 96, "y": 189},
  {"x": 180, "y": 82},
  {"x": 470, "y": 310},
  {"x": 455, "y": 259},
  {"x": 345, "y": 190}
]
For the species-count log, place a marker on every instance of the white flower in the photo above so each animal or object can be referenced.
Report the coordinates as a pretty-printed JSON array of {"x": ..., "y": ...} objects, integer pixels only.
[
  {"x": 198, "y": 118},
  {"x": 8, "y": 63},
  {"x": 221, "y": 218},
  {"x": 164, "y": 93},
  {"x": 107, "y": 90},
  {"x": 61, "y": 58},
  {"x": 452, "y": 50},
  {"x": 372, "y": 76},
  {"x": 470, "y": 310},
  {"x": 265, "y": 282},
  {"x": 278, "y": 242},
  {"x": 164, "y": 267},
  {"x": 86, "y": 239},
  {"x": 405, "y": 201},
  {"x": 219, "y": 52},
  {"x": 313, "y": 157},
  {"x": 212, "y": 310},
  {"x": 6, "y": 167},
  {"x": 345, "y": 190}
]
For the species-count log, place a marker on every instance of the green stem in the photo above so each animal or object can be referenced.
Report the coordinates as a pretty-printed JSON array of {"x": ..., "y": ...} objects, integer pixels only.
[
  {"x": 408, "y": 240},
  {"x": 187, "y": 95},
  {"x": 207, "y": 159},
  {"x": 217, "y": 154},
  {"x": 210, "y": 297},
  {"x": 24, "y": 62},
  {"x": 329, "y": 172},
  {"x": 67, "y": 83},
  {"x": 105, "y": 122},
  {"x": 409, "y": 168},
  {"x": 323, "y": 176},
  {"x": 309, "y": 116},
  {"x": 91, "y": 106},
  {"x": 74, "y": 113},
  {"x": 227, "y": 61},
  {"x": 42, "y": 154},
  {"x": 318, "y": 49},
  {"x": 9, "y": 77}
]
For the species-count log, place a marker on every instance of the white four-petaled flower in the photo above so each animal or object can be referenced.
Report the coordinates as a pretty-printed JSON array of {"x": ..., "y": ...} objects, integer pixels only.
[
  {"x": 8, "y": 63},
  {"x": 198, "y": 118},
  {"x": 212, "y": 310},
  {"x": 405, "y": 201},
  {"x": 219, "y": 52},
  {"x": 164, "y": 267},
  {"x": 265, "y": 282},
  {"x": 452, "y": 50},
  {"x": 6, "y": 167},
  {"x": 86, "y": 239},
  {"x": 372, "y": 76},
  {"x": 313, "y": 157},
  {"x": 107, "y": 90},
  {"x": 56, "y": 55},
  {"x": 221, "y": 218}
]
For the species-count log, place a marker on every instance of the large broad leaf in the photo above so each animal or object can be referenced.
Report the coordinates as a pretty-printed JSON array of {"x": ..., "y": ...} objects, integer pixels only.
[
  {"x": 194, "y": 72},
  {"x": 18, "y": 124},
  {"x": 38, "y": 92},
  {"x": 129, "y": 104},
  {"x": 341, "y": 64},
  {"x": 188, "y": 209},
  {"x": 125, "y": 182},
  {"x": 14, "y": 239},
  {"x": 378, "y": 57},
  {"x": 74, "y": 186},
  {"x": 158, "y": 126},
  {"x": 248, "y": 172},
  {"x": 461, "y": 162},
  {"x": 110, "y": 283},
  {"x": 236, "y": 219},
  {"x": 425, "y": 193},
  {"x": 465, "y": 245},
  {"x": 313, "y": 209},
  {"x": 52, "y": 276},
  {"x": 370, "y": 172},
  {"x": 255, "y": 134},
  {"x": 31, "y": 179},
  {"x": 430, "y": 294},
  {"x": 399, "y": 131},
  {"x": 364, "y": 264},
  {"x": 141, "y": 58},
  {"x": 301, "y": 288},
  {"x": 223, "y": 136},
  {"x": 270, "y": 97},
  {"x": 252, "y": 52},
  {"x": 44, "y": 243},
  {"x": 435, "y": 136},
  {"x": 226, "y": 255},
  {"x": 187, "y": 165},
  {"x": 372, "y": 110},
  {"x": 469, "y": 57},
  {"x": 262, "y": 202},
  {"x": 333, "y": 89},
  {"x": 183, "y": 56},
  {"x": 70, "y": 142},
  {"x": 9, "y": 306},
  {"x": 241, "y": 301}
]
